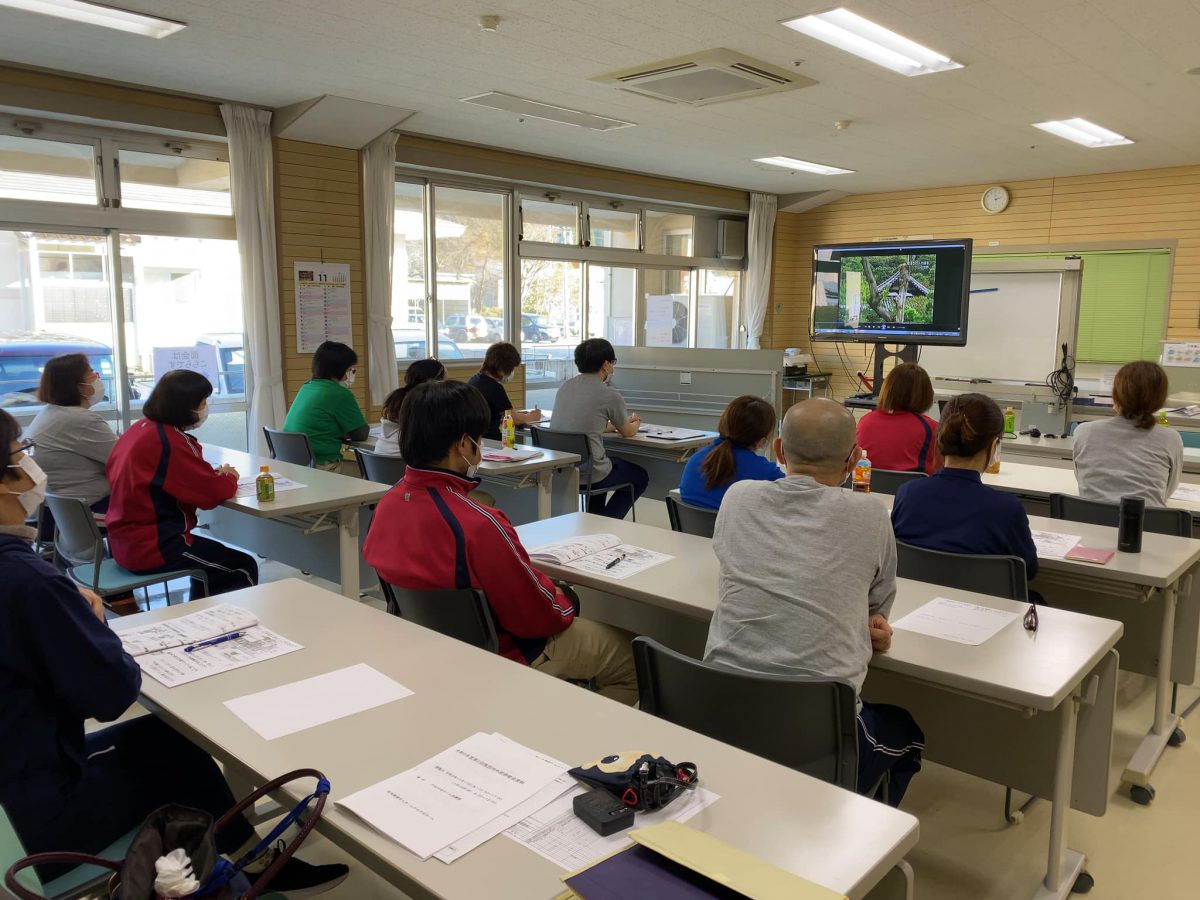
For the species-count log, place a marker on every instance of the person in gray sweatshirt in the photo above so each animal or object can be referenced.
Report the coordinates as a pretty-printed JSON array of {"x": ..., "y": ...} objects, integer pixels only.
[{"x": 808, "y": 576}]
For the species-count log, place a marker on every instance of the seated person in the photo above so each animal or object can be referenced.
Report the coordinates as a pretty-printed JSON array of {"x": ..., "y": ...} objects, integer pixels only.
[
  {"x": 588, "y": 404},
  {"x": 953, "y": 510},
  {"x": 746, "y": 425},
  {"x": 897, "y": 435},
  {"x": 73, "y": 443},
  {"x": 499, "y": 363},
  {"x": 61, "y": 664},
  {"x": 159, "y": 477},
  {"x": 325, "y": 408},
  {"x": 430, "y": 534},
  {"x": 1130, "y": 454},
  {"x": 418, "y": 372},
  {"x": 808, "y": 576}
]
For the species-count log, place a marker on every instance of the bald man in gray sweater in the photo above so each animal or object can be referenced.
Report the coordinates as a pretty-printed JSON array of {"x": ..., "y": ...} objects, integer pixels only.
[{"x": 808, "y": 576}]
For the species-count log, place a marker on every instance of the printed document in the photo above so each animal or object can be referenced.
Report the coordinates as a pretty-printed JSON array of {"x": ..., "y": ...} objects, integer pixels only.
[
  {"x": 954, "y": 620},
  {"x": 247, "y": 487},
  {"x": 450, "y": 795},
  {"x": 556, "y": 833},
  {"x": 1053, "y": 544},
  {"x": 600, "y": 554},
  {"x": 176, "y": 666},
  {"x": 314, "y": 701},
  {"x": 224, "y": 618},
  {"x": 663, "y": 433},
  {"x": 1187, "y": 492},
  {"x": 509, "y": 454}
]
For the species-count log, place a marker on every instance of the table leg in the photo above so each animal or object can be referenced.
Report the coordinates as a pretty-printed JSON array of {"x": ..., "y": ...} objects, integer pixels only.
[
  {"x": 348, "y": 550},
  {"x": 545, "y": 489},
  {"x": 1063, "y": 865},
  {"x": 1141, "y": 765}
]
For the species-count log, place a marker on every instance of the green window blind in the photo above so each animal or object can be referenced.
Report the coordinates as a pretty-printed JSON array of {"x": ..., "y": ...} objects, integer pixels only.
[{"x": 1122, "y": 305}]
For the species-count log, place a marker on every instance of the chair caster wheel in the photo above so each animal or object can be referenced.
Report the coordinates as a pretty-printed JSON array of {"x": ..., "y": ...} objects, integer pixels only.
[
  {"x": 1016, "y": 818},
  {"x": 1177, "y": 737},
  {"x": 1084, "y": 883},
  {"x": 1142, "y": 795}
]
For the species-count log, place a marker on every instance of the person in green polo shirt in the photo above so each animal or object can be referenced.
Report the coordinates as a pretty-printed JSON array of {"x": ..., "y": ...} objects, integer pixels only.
[{"x": 325, "y": 408}]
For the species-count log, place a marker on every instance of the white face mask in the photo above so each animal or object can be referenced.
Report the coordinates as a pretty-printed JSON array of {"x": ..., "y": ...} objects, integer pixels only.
[
  {"x": 473, "y": 468},
  {"x": 31, "y": 498},
  {"x": 348, "y": 381},
  {"x": 201, "y": 418},
  {"x": 96, "y": 391},
  {"x": 507, "y": 378}
]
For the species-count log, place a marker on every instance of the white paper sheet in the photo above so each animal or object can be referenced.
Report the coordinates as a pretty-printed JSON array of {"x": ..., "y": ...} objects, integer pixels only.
[
  {"x": 1189, "y": 493},
  {"x": 507, "y": 454},
  {"x": 556, "y": 833},
  {"x": 564, "y": 551},
  {"x": 954, "y": 620},
  {"x": 175, "y": 666},
  {"x": 630, "y": 561},
  {"x": 315, "y": 701},
  {"x": 247, "y": 487},
  {"x": 664, "y": 433},
  {"x": 224, "y": 618},
  {"x": 452, "y": 794},
  {"x": 1054, "y": 544}
]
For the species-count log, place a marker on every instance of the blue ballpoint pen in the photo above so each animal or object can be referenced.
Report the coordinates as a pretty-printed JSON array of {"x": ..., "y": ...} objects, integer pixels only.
[{"x": 222, "y": 639}]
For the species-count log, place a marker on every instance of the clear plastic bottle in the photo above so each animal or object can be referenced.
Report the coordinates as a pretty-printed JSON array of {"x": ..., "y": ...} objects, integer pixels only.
[
  {"x": 264, "y": 484},
  {"x": 508, "y": 430},
  {"x": 1010, "y": 422},
  {"x": 862, "y": 476}
]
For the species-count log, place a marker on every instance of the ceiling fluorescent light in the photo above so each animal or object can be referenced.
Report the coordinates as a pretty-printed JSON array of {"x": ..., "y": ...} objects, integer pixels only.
[
  {"x": 537, "y": 110},
  {"x": 1081, "y": 131},
  {"x": 99, "y": 14},
  {"x": 862, "y": 37},
  {"x": 799, "y": 165}
]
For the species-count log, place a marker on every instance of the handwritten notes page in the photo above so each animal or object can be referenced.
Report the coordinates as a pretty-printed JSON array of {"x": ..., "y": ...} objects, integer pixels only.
[
  {"x": 176, "y": 666},
  {"x": 224, "y": 618},
  {"x": 599, "y": 554},
  {"x": 955, "y": 620},
  {"x": 1053, "y": 544}
]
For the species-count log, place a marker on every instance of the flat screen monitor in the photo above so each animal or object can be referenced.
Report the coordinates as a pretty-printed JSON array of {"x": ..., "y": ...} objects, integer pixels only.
[{"x": 892, "y": 293}]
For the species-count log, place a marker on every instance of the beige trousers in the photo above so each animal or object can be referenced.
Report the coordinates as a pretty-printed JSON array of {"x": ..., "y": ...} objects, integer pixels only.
[{"x": 593, "y": 651}]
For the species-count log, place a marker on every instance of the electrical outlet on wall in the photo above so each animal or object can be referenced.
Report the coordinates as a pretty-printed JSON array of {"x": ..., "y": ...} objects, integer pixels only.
[{"x": 685, "y": 377}]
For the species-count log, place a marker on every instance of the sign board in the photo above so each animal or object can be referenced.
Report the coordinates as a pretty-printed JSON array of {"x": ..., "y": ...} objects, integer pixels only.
[{"x": 201, "y": 358}]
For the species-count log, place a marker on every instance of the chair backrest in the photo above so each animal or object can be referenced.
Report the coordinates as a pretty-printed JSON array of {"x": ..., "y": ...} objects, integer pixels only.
[
  {"x": 997, "y": 576},
  {"x": 77, "y": 537},
  {"x": 462, "y": 614},
  {"x": 1177, "y": 522},
  {"x": 807, "y": 724},
  {"x": 691, "y": 519},
  {"x": 566, "y": 442},
  {"x": 1190, "y": 438},
  {"x": 289, "y": 446},
  {"x": 378, "y": 467},
  {"x": 887, "y": 481}
]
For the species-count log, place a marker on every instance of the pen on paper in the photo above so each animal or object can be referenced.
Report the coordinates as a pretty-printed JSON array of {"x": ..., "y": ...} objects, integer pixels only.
[
  {"x": 615, "y": 560},
  {"x": 222, "y": 639}
]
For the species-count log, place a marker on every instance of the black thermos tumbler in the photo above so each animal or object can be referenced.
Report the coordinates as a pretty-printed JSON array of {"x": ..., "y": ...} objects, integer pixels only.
[{"x": 1129, "y": 531}]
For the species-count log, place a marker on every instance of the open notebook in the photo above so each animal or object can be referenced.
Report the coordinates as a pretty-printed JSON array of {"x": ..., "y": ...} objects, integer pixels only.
[
  {"x": 600, "y": 554},
  {"x": 224, "y": 618}
]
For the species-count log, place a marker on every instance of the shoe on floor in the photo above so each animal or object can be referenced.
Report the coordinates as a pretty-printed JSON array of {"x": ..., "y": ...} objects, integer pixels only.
[{"x": 298, "y": 879}]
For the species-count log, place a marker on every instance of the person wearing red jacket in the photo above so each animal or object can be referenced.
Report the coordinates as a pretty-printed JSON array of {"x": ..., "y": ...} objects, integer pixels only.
[
  {"x": 897, "y": 435},
  {"x": 429, "y": 534},
  {"x": 158, "y": 477}
]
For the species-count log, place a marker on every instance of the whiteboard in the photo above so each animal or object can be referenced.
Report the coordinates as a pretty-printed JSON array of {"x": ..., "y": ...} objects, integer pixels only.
[{"x": 1012, "y": 332}]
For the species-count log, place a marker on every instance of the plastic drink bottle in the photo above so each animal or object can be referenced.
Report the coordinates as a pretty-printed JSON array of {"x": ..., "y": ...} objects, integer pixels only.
[
  {"x": 264, "y": 484},
  {"x": 508, "y": 430},
  {"x": 862, "y": 476}
]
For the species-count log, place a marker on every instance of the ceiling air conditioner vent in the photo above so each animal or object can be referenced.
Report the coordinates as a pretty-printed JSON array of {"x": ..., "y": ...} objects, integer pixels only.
[{"x": 713, "y": 76}]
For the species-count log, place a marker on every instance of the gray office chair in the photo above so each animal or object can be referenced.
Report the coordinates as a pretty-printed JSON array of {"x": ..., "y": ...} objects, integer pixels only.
[
  {"x": 691, "y": 519},
  {"x": 577, "y": 443},
  {"x": 887, "y": 481},
  {"x": 807, "y": 724},
  {"x": 1176, "y": 522},
  {"x": 999, "y": 576},
  {"x": 79, "y": 546},
  {"x": 378, "y": 467},
  {"x": 289, "y": 446},
  {"x": 460, "y": 614}
]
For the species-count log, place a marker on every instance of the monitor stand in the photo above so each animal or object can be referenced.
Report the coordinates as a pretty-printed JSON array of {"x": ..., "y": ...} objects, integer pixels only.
[{"x": 903, "y": 353}]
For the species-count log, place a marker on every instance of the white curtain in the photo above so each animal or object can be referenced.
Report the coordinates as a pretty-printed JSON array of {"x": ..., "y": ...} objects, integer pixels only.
[
  {"x": 252, "y": 187},
  {"x": 760, "y": 232},
  {"x": 379, "y": 213}
]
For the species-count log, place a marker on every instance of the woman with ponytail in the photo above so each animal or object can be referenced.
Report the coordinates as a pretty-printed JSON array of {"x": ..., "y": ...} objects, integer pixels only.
[
  {"x": 953, "y": 510},
  {"x": 746, "y": 426},
  {"x": 1130, "y": 454}
]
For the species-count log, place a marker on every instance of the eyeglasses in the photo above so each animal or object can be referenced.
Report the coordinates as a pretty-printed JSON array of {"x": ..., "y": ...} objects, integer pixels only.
[{"x": 1031, "y": 618}]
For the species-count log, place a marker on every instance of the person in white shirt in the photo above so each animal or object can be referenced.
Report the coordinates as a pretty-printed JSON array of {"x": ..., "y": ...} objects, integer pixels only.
[{"x": 417, "y": 373}]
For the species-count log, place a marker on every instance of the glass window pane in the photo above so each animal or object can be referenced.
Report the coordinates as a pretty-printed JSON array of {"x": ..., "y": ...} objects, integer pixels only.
[
  {"x": 669, "y": 233},
  {"x": 665, "y": 307},
  {"x": 34, "y": 169},
  {"x": 408, "y": 274},
  {"x": 187, "y": 314},
  {"x": 613, "y": 228},
  {"x": 551, "y": 309},
  {"x": 549, "y": 223},
  {"x": 716, "y": 307},
  {"x": 42, "y": 316},
  {"x": 611, "y": 294},
  {"x": 470, "y": 240},
  {"x": 166, "y": 181}
]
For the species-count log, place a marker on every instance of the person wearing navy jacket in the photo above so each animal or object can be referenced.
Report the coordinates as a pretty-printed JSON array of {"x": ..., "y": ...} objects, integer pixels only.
[
  {"x": 429, "y": 534},
  {"x": 746, "y": 425},
  {"x": 953, "y": 510},
  {"x": 60, "y": 664}
]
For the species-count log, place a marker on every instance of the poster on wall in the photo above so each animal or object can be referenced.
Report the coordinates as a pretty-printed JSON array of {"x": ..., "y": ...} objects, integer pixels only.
[{"x": 322, "y": 304}]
